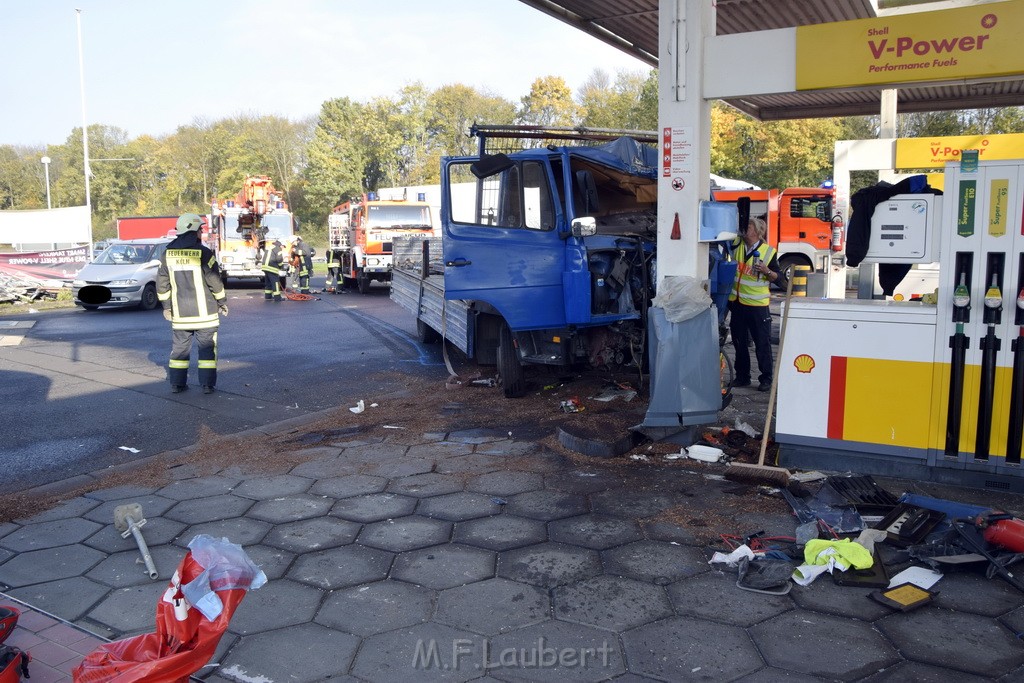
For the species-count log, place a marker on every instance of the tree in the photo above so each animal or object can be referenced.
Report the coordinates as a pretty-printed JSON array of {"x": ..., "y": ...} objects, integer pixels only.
[
  {"x": 336, "y": 156},
  {"x": 548, "y": 104}
]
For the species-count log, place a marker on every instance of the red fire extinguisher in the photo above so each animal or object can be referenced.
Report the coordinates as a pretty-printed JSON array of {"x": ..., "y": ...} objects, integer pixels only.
[{"x": 837, "y": 233}]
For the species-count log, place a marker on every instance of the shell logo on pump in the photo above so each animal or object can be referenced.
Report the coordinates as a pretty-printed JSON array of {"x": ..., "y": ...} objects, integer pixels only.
[{"x": 803, "y": 363}]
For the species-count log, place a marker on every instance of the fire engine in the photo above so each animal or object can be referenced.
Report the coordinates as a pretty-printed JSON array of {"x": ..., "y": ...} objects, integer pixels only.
[
  {"x": 239, "y": 226},
  {"x": 360, "y": 234}
]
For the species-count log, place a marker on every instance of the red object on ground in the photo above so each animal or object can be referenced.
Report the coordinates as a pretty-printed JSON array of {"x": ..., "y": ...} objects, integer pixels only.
[
  {"x": 184, "y": 640},
  {"x": 8, "y": 620},
  {"x": 1006, "y": 533}
]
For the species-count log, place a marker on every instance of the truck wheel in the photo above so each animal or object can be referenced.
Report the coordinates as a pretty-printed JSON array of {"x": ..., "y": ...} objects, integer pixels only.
[
  {"x": 426, "y": 334},
  {"x": 510, "y": 369},
  {"x": 149, "y": 300},
  {"x": 363, "y": 282},
  {"x": 786, "y": 265}
]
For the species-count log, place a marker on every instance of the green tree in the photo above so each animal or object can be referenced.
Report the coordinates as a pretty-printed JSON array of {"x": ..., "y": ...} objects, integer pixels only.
[
  {"x": 336, "y": 156},
  {"x": 549, "y": 103}
]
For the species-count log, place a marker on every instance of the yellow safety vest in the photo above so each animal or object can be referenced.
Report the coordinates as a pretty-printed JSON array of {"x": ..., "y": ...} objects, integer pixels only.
[{"x": 751, "y": 288}]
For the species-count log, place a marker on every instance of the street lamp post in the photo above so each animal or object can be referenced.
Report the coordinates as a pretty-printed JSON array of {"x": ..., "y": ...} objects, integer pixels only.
[{"x": 46, "y": 167}]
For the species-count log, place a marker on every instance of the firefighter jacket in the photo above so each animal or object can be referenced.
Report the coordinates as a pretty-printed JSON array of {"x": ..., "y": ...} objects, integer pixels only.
[
  {"x": 304, "y": 254},
  {"x": 272, "y": 260},
  {"x": 188, "y": 283},
  {"x": 751, "y": 288}
]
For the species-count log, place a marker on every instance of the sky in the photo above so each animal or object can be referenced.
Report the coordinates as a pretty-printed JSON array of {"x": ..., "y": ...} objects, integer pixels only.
[{"x": 151, "y": 66}]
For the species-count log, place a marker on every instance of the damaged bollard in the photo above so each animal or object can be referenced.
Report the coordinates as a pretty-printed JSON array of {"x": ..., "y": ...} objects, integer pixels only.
[{"x": 128, "y": 519}]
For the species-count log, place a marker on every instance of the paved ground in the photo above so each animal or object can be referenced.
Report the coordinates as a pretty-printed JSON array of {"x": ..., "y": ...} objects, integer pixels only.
[{"x": 458, "y": 556}]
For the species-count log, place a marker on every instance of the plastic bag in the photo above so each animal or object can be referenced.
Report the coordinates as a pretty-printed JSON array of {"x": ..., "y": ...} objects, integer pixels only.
[
  {"x": 682, "y": 297},
  {"x": 185, "y": 639}
]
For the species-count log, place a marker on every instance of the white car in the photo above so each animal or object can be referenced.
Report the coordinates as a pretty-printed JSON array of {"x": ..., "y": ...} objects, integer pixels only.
[{"x": 123, "y": 275}]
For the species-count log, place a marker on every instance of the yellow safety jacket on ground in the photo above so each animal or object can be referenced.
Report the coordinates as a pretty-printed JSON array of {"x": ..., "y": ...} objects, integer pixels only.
[
  {"x": 751, "y": 288},
  {"x": 189, "y": 278}
]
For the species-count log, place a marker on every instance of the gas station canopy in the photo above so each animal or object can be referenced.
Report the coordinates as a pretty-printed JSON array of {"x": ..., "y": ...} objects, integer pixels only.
[{"x": 632, "y": 26}]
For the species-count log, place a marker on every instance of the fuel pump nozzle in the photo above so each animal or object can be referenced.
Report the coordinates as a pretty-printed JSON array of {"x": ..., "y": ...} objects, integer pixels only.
[
  {"x": 961, "y": 301},
  {"x": 993, "y": 302}
]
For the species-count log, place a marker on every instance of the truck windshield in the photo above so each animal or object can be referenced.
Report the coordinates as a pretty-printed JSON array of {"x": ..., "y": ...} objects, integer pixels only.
[
  {"x": 120, "y": 254},
  {"x": 278, "y": 225},
  {"x": 811, "y": 207},
  {"x": 398, "y": 216}
]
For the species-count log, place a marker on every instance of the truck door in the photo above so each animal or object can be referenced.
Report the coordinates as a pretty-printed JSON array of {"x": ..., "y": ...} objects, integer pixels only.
[
  {"x": 807, "y": 218},
  {"x": 501, "y": 245}
]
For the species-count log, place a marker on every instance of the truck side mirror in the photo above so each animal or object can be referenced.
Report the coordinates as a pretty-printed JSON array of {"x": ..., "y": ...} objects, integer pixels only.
[{"x": 584, "y": 227}]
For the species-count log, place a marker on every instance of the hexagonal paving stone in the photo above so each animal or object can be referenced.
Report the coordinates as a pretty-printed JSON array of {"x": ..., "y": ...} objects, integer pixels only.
[
  {"x": 405, "y": 533},
  {"x": 477, "y": 435},
  {"x": 294, "y": 654},
  {"x": 797, "y": 641},
  {"x": 445, "y": 566},
  {"x": 457, "y": 507},
  {"x": 506, "y": 483},
  {"x": 547, "y": 505},
  {"x": 424, "y": 653},
  {"x": 500, "y": 532},
  {"x": 376, "y": 607},
  {"x": 348, "y": 565},
  {"x": 400, "y": 467},
  {"x": 555, "y": 651},
  {"x": 922, "y": 673},
  {"x": 68, "y": 599},
  {"x": 519, "y": 449},
  {"x": 663, "y": 530},
  {"x": 976, "y": 644},
  {"x": 510, "y": 605},
  {"x": 714, "y": 595},
  {"x": 374, "y": 507},
  {"x": 262, "y": 488},
  {"x": 209, "y": 509},
  {"x": 631, "y": 504},
  {"x": 348, "y": 485},
  {"x": 426, "y": 485},
  {"x": 121, "y": 492},
  {"x": 549, "y": 564},
  {"x": 51, "y": 534},
  {"x": 375, "y": 452},
  {"x": 273, "y": 561},
  {"x": 970, "y": 592},
  {"x": 440, "y": 450},
  {"x": 281, "y": 510},
  {"x": 474, "y": 463},
  {"x": 597, "y": 532},
  {"x": 582, "y": 481},
  {"x": 76, "y": 507},
  {"x": 325, "y": 468},
  {"x": 127, "y": 568},
  {"x": 654, "y": 561},
  {"x": 611, "y": 602},
  {"x": 51, "y": 564},
  {"x": 275, "y": 605},
  {"x": 130, "y": 610},
  {"x": 152, "y": 506},
  {"x": 240, "y": 530},
  {"x": 682, "y": 649},
  {"x": 318, "y": 533},
  {"x": 199, "y": 487},
  {"x": 156, "y": 531},
  {"x": 849, "y": 602}
]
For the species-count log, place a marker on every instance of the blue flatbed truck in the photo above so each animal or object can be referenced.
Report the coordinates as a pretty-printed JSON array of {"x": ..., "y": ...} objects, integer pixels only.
[{"x": 546, "y": 255}]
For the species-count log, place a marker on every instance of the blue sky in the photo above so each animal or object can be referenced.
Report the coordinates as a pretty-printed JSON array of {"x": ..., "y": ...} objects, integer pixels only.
[{"x": 151, "y": 66}]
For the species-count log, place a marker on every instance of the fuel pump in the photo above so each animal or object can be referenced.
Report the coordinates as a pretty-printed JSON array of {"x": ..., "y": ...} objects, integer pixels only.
[
  {"x": 959, "y": 343},
  {"x": 1016, "y": 427},
  {"x": 990, "y": 344}
]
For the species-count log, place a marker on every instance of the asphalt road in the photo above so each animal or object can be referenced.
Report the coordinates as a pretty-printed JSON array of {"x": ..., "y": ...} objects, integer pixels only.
[{"x": 82, "y": 387}]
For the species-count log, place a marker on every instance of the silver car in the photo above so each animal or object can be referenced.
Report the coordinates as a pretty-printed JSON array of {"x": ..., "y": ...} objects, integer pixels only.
[{"x": 123, "y": 275}]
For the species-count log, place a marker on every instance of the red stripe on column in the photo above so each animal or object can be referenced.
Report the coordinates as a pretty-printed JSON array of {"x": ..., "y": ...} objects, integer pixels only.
[{"x": 836, "y": 397}]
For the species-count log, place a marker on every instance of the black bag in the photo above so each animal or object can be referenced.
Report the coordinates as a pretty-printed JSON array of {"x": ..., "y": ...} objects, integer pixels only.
[{"x": 13, "y": 664}]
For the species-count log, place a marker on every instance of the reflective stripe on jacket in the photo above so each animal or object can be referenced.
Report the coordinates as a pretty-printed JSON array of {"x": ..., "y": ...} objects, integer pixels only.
[
  {"x": 272, "y": 260},
  {"x": 751, "y": 288},
  {"x": 189, "y": 279}
]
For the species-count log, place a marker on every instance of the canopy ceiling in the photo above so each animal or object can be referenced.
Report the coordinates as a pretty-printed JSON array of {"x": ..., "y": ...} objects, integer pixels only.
[{"x": 632, "y": 26}]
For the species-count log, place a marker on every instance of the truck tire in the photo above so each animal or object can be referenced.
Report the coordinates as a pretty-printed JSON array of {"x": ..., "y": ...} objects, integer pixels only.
[
  {"x": 786, "y": 265},
  {"x": 149, "y": 300},
  {"x": 426, "y": 334},
  {"x": 363, "y": 282},
  {"x": 510, "y": 369}
]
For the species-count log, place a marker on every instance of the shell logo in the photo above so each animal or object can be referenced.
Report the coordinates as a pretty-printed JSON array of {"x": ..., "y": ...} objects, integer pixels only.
[{"x": 803, "y": 363}]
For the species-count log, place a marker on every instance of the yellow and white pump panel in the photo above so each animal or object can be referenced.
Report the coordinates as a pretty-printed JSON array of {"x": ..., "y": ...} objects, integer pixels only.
[{"x": 914, "y": 389}]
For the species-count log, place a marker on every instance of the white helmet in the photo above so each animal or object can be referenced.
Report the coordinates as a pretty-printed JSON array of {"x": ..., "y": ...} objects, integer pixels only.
[{"x": 188, "y": 222}]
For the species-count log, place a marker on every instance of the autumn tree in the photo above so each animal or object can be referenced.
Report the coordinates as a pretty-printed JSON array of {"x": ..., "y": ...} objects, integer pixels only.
[{"x": 549, "y": 103}]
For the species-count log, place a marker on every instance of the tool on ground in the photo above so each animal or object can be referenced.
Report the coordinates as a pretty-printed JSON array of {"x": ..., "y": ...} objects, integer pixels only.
[
  {"x": 973, "y": 540},
  {"x": 761, "y": 473},
  {"x": 128, "y": 520},
  {"x": 904, "y": 597}
]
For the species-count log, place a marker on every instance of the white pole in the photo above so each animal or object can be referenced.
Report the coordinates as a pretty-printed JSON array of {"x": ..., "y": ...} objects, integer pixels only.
[
  {"x": 85, "y": 126},
  {"x": 46, "y": 168}
]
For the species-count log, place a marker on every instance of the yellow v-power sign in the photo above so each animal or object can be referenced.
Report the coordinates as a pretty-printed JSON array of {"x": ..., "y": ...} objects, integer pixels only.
[{"x": 954, "y": 44}]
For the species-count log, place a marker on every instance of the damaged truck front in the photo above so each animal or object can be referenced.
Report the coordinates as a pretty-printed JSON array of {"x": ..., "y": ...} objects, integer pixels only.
[{"x": 546, "y": 257}]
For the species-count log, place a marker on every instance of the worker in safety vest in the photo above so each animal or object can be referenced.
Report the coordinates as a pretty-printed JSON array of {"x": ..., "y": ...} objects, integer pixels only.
[
  {"x": 757, "y": 268},
  {"x": 189, "y": 286},
  {"x": 333, "y": 269},
  {"x": 270, "y": 264},
  {"x": 302, "y": 256}
]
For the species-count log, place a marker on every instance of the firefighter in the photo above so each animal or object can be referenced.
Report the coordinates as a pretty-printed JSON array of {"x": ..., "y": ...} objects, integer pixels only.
[
  {"x": 333, "y": 269},
  {"x": 270, "y": 264},
  {"x": 302, "y": 259},
  {"x": 189, "y": 286}
]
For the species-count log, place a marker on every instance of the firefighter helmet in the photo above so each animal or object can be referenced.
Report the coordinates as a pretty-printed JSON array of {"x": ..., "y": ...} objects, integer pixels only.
[{"x": 188, "y": 222}]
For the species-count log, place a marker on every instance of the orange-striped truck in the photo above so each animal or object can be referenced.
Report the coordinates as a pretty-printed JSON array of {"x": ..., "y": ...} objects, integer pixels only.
[
  {"x": 360, "y": 234},
  {"x": 240, "y": 225}
]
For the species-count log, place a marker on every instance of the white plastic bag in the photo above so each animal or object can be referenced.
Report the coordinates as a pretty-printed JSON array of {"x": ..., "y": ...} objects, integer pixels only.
[{"x": 682, "y": 297}]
